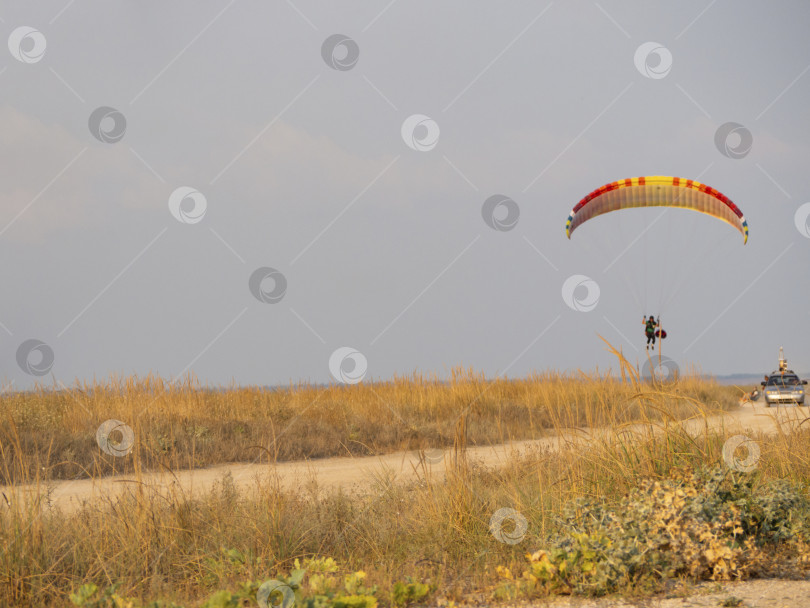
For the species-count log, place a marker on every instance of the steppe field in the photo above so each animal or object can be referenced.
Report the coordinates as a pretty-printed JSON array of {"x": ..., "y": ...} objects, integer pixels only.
[{"x": 418, "y": 491}]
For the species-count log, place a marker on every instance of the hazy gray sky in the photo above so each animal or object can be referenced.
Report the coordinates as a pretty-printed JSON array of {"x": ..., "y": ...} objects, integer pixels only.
[{"x": 358, "y": 168}]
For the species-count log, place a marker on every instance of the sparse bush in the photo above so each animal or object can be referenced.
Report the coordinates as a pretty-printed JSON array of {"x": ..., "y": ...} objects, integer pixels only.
[
  {"x": 713, "y": 524},
  {"x": 404, "y": 594}
]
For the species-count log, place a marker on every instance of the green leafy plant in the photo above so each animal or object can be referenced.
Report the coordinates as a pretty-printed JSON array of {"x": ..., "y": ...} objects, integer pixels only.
[
  {"x": 707, "y": 525},
  {"x": 403, "y": 594},
  {"x": 89, "y": 596},
  {"x": 327, "y": 591}
]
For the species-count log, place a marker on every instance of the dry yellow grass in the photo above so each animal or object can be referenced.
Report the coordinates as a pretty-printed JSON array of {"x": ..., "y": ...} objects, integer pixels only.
[
  {"x": 48, "y": 434},
  {"x": 173, "y": 547}
]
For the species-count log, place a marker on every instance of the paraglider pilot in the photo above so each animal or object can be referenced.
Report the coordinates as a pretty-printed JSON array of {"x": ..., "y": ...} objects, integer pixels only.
[{"x": 650, "y": 326}]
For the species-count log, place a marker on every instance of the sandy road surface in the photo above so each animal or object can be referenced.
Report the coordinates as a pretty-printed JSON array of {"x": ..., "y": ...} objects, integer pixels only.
[
  {"x": 753, "y": 594},
  {"x": 360, "y": 473}
]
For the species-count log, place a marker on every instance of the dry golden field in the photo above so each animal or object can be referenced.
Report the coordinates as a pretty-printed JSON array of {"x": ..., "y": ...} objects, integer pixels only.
[
  {"x": 428, "y": 541},
  {"x": 49, "y": 434}
]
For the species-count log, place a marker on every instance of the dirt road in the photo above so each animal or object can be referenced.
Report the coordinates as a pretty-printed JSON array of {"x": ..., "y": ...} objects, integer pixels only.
[
  {"x": 361, "y": 473},
  {"x": 743, "y": 594}
]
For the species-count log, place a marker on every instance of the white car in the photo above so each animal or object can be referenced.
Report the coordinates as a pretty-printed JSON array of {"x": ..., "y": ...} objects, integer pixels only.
[{"x": 783, "y": 387}]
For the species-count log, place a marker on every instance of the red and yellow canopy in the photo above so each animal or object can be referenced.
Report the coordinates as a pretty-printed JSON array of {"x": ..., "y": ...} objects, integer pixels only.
[{"x": 657, "y": 191}]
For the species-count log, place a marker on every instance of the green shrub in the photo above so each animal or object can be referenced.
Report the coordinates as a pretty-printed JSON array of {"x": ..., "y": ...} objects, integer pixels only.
[
  {"x": 713, "y": 525},
  {"x": 403, "y": 594}
]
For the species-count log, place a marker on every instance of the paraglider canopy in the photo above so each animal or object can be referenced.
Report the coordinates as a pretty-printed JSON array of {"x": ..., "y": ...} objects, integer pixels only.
[{"x": 657, "y": 191}]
